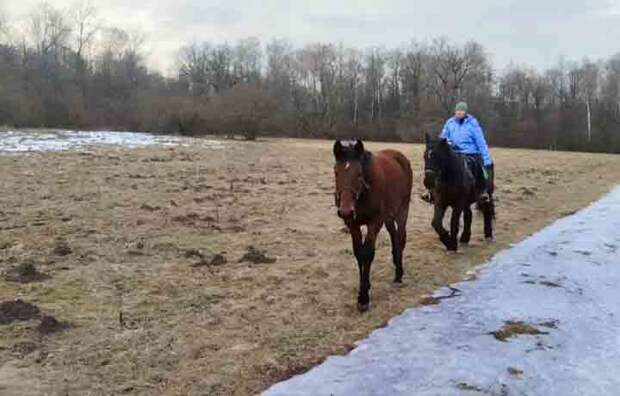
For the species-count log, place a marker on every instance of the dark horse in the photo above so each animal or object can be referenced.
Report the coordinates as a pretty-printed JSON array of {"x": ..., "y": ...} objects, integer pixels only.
[
  {"x": 453, "y": 181},
  {"x": 373, "y": 190}
]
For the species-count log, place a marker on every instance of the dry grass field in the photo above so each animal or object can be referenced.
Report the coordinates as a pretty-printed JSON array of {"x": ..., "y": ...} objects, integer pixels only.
[{"x": 185, "y": 270}]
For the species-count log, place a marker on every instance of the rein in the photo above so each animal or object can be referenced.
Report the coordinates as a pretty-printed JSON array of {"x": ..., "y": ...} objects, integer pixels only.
[{"x": 446, "y": 168}]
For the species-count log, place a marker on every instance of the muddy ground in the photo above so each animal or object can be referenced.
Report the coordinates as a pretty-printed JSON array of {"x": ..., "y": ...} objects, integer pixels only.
[{"x": 194, "y": 271}]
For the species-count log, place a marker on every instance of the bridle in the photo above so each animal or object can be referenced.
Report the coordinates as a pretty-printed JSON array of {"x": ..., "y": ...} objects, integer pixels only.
[
  {"x": 356, "y": 193},
  {"x": 435, "y": 173}
]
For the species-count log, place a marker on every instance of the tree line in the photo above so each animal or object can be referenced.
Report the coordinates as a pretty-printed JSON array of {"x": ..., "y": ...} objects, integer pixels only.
[{"x": 68, "y": 69}]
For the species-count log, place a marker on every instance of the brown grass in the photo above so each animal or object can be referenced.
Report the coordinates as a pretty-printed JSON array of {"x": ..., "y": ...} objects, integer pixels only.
[
  {"x": 113, "y": 230},
  {"x": 515, "y": 328}
]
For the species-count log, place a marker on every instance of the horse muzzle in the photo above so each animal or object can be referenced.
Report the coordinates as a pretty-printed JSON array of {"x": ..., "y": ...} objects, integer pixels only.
[{"x": 346, "y": 213}]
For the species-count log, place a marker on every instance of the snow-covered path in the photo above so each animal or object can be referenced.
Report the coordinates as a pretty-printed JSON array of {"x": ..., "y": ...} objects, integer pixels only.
[
  {"x": 564, "y": 281},
  {"x": 39, "y": 141}
]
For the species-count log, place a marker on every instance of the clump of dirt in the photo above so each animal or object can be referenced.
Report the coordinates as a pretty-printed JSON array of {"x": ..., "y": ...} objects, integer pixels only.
[
  {"x": 512, "y": 329},
  {"x": 429, "y": 300},
  {"x": 468, "y": 387},
  {"x": 256, "y": 256},
  {"x": 527, "y": 191},
  {"x": 135, "y": 253},
  {"x": 236, "y": 229},
  {"x": 50, "y": 324},
  {"x": 190, "y": 253},
  {"x": 549, "y": 284},
  {"x": 25, "y": 272},
  {"x": 17, "y": 310},
  {"x": 515, "y": 371},
  {"x": 551, "y": 324},
  {"x": 149, "y": 208},
  {"x": 166, "y": 246},
  {"x": 62, "y": 248},
  {"x": 216, "y": 261},
  {"x": 185, "y": 219},
  {"x": 24, "y": 348}
]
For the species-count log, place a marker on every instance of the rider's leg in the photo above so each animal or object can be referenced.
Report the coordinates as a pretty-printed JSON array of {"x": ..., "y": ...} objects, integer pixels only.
[
  {"x": 485, "y": 177},
  {"x": 490, "y": 178}
]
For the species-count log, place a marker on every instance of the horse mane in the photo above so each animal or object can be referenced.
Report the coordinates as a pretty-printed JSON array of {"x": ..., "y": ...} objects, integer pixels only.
[
  {"x": 452, "y": 166},
  {"x": 366, "y": 162}
]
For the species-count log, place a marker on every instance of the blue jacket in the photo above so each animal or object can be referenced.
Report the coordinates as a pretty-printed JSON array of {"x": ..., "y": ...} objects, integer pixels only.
[{"x": 468, "y": 137}]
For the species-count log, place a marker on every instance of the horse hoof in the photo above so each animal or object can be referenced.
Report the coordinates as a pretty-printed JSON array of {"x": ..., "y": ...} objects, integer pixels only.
[
  {"x": 489, "y": 239},
  {"x": 397, "y": 285},
  {"x": 363, "y": 307},
  {"x": 451, "y": 252}
]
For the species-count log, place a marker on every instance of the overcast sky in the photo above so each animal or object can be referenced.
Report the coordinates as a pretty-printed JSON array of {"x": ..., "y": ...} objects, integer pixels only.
[{"x": 532, "y": 32}]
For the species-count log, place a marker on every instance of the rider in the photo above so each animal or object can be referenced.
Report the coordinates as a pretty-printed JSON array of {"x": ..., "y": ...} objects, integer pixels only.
[{"x": 466, "y": 136}]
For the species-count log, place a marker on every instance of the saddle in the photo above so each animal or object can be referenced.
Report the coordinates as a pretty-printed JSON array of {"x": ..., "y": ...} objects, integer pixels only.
[{"x": 475, "y": 168}]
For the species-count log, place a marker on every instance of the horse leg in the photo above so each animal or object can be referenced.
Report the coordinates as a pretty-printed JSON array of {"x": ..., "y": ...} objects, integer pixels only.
[
  {"x": 397, "y": 252},
  {"x": 455, "y": 223},
  {"x": 488, "y": 210},
  {"x": 437, "y": 223},
  {"x": 367, "y": 255},
  {"x": 356, "y": 239},
  {"x": 401, "y": 223},
  {"x": 467, "y": 217}
]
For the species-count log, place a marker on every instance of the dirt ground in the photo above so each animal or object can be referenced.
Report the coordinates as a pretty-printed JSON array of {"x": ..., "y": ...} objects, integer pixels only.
[{"x": 219, "y": 272}]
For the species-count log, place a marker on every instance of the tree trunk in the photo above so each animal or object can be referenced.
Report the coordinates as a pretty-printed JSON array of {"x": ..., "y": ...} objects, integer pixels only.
[
  {"x": 589, "y": 120},
  {"x": 355, "y": 105}
]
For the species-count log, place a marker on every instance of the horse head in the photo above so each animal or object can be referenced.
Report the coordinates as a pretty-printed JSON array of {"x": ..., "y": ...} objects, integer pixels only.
[
  {"x": 349, "y": 174},
  {"x": 437, "y": 156}
]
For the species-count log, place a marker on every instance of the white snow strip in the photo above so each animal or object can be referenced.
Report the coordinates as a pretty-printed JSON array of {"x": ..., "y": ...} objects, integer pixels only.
[
  {"x": 20, "y": 141},
  {"x": 564, "y": 280}
]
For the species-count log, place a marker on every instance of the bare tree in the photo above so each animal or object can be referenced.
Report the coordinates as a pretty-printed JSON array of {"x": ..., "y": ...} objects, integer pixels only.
[
  {"x": 450, "y": 65},
  {"x": 85, "y": 26},
  {"x": 354, "y": 73},
  {"x": 193, "y": 62},
  {"x": 4, "y": 28},
  {"x": 247, "y": 61},
  {"x": 49, "y": 29},
  {"x": 393, "y": 84},
  {"x": 374, "y": 78},
  {"x": 244, "y": 108},
  {"x": 412, "y": 79},
  {"x": 590, "y": 76},
  {"x": 279, "y": 64}
]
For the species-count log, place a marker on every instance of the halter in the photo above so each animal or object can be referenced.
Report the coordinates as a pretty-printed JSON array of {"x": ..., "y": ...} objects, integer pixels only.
[
  {"x": 356, "y": 194},
  {"x": 430, "y": 171}
]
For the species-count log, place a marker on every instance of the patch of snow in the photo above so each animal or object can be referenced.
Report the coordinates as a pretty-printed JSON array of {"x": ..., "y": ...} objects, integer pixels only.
[
  {"x": 20, "y": 141},
  {"x": 564, "y": 281}
]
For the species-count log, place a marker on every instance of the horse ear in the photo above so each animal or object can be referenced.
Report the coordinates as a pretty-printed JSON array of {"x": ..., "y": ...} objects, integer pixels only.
[
  {"x": 359, "y": 147},
  {"x": 337, "y": 149},
  {"x": 443, "y": 141}
]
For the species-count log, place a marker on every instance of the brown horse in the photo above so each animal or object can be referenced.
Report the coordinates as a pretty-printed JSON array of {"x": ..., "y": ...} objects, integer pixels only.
[{"x": 373, "y": 190}]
